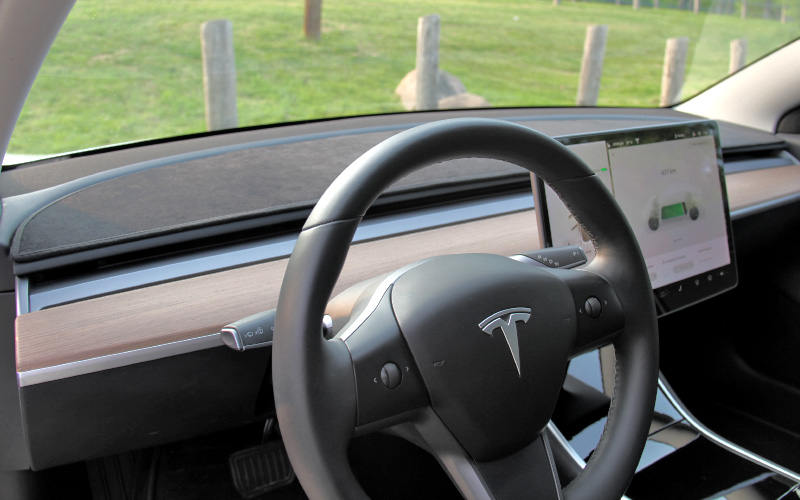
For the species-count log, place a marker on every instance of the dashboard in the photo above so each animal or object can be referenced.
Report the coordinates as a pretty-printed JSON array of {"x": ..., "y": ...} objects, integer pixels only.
[{"x": 118, "y": 314}]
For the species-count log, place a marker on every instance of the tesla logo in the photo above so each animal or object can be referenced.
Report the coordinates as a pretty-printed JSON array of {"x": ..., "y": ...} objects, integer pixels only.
[{"x": 506, "y": 320}]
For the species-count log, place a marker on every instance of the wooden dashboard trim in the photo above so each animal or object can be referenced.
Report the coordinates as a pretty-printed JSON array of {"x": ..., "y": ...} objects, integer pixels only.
[
  {"x": 200, "y": 306},
  {"x": 754, "y": 187}
]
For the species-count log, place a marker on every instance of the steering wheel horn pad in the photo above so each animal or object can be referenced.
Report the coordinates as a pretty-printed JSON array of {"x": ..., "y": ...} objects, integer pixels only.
[{"x": 470, "y": 373}]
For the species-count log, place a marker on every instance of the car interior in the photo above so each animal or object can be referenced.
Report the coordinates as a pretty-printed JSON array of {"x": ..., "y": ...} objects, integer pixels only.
[{"x": 485, "y": 303}]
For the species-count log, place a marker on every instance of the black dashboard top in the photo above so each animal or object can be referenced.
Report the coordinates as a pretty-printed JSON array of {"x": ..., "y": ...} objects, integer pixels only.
[{"x": 87, "y": 202}]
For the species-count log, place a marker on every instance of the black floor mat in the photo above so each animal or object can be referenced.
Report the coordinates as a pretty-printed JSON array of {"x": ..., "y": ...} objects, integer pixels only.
[
  {"x": 198, "y": 469},
  {"x": 388, "y": 468}
]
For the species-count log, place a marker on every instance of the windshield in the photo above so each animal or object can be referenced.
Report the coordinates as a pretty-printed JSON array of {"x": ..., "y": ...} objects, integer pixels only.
[{"x": 133, "y": 70}]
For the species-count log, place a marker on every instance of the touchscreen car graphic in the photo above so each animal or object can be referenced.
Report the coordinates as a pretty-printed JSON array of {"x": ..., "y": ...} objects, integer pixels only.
[{"x": 673, "y": 204}]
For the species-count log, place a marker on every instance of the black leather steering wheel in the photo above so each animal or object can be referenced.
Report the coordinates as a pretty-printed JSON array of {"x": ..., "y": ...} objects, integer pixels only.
[{"x": 466, "y": 353}]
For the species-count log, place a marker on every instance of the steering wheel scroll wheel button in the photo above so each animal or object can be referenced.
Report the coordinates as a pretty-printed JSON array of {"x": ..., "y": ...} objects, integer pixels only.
[
  {"x": 593, "y": 307},
  {"x": 391, "y": 376},
  {"x": 249, "y": 333}
]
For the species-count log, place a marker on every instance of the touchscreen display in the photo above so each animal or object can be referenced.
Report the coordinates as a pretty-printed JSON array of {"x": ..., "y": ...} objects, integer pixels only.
[{"x": 669, "y": 183}]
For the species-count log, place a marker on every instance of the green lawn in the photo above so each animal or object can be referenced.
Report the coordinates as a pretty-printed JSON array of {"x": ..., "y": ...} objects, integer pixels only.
[{"x": 129, "y": 70}]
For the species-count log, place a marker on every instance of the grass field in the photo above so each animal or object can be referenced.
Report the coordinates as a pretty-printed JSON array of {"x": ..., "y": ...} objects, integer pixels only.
[{"x": 125, "y": 70}]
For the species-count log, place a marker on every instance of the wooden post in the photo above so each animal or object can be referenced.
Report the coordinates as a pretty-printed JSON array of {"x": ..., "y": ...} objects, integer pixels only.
[
  {"x": 636, "y": 4},
  {"x": 674, "y": 70},
  {"x": 594, "y": 48},
  {"x": 738, "y": 55},
  {"x": 783, "y": 14},
  {"x": 428, "y": 28},
  {"x": 696, "y": 6},
  {"x": 556, "y": 2},
  {"x": 744, "y": 9},
  {"x": 219, "y": 74},
  {"x": 312, "y": 22},
  {"x": 655, "y": 4}
]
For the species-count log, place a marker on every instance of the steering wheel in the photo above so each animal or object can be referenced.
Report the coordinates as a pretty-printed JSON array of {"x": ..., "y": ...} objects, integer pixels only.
[{"x": 467, "y": 353}]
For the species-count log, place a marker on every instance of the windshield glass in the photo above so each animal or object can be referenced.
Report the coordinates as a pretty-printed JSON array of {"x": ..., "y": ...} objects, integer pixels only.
[{"x": 132, "y": 70}]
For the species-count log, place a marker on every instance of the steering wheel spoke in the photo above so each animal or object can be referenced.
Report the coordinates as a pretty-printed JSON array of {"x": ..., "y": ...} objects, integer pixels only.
[
  {"x": 388, "y": 383},
  {"x": 529, "y": 472}
]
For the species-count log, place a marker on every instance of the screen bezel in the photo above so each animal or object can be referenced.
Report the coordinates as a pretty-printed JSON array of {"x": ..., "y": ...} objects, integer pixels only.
[{"x": 685, "y": 292}]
